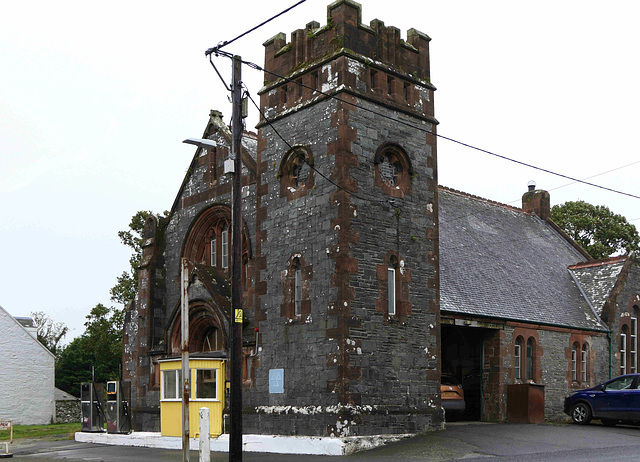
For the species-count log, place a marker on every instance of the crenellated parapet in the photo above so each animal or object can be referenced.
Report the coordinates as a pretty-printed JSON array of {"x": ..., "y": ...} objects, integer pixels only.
[{"x": 372, "y": 61}]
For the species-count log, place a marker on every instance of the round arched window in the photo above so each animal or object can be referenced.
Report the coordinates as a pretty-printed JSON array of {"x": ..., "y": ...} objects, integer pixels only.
[
  {"x": 392, "y": 170},
  {"x": 296, "y": 172}
]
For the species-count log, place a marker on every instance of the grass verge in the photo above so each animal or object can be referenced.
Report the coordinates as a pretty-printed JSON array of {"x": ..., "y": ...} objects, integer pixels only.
[{"x": 39, "y": 431}]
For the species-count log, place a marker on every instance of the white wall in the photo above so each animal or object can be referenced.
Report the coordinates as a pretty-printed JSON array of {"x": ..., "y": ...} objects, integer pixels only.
[{"x": 26, "y": 375}]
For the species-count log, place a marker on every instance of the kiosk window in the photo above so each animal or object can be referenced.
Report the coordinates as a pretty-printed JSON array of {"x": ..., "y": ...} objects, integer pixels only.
[
  {"x": 206, "y": 384},
  {"x": 172, "y": 384}
]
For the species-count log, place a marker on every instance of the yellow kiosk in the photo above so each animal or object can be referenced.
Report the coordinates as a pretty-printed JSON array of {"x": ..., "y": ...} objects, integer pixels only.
[{"x": 207, "y": 390}]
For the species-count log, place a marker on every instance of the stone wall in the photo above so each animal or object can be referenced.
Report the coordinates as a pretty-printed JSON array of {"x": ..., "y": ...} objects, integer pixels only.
[
  {"x": 349, "y": 369},
  {"x": 400, "y": 352},
  {"x": 302, "y": 227},
  {"x": 556, "y": 367},
  {"x": 621, "y": 307},
  {"x": 68, "y": 411},
  {"x": 553, "y": 363}
]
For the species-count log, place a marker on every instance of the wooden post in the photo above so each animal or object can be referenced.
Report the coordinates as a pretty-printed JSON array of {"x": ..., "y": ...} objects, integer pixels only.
[{"x": 235, "y": 408}]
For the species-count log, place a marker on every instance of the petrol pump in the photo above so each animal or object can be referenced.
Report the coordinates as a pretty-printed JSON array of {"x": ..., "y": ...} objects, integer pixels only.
[
  {"x": 118, "y": 417},
  {"x": 92, "y": 406}
]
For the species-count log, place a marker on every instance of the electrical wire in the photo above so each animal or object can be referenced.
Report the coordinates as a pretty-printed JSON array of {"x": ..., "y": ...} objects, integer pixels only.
[
  {"x": 268, "y": 122},
  {"x": 224, "y": 44},
  {"x": 391, "y": 201},
  {"x": 408, "y": 124},
  {"x": 219, "y": 75},
  {"x": 515, "y": 201},
  {"x": 304, "y": 159},
  {"x": 597, "y": 174}
]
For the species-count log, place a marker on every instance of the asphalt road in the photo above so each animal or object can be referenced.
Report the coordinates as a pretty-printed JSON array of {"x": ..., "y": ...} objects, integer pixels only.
[{"x": 468, "y": 441}]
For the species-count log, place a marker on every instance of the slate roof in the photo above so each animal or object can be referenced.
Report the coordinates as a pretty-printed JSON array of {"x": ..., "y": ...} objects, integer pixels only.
[
  {"x": 61, "y": 395},
  {"x": 25, "y": 322},
  {"x": 597, "y": 279},
  {"x": 497, "y": 261}
]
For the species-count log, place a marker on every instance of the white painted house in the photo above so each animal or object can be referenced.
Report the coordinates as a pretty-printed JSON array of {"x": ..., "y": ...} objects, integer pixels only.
[{"x": 27, "y": 373}]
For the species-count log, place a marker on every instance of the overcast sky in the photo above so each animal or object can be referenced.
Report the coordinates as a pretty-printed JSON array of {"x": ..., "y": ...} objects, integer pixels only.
[{"x": 96, "y": 98}]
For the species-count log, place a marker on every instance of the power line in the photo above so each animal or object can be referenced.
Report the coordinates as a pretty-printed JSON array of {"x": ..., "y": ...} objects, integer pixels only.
[
  {"x": 408, "y": 124},
  {"x": 304, "y": 159},
  {"x": 219, "y": 75},
  {"x": 391, "y": 201},
  {"x": 224, "y": 44},
  {"x": 598, "y": 174}
]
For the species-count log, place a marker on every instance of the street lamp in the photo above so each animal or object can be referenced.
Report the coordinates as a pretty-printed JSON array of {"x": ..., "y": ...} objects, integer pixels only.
[
  {"x": 234, "y": 165},
  {"x": 201, "y": 143},
  {"x": 184, "y": 321}
]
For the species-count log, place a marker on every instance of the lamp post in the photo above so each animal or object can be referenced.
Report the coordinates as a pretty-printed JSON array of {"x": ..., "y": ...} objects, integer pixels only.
[
  {"x": 186, "y": 385},
  {"x": 236, "y": 315}
]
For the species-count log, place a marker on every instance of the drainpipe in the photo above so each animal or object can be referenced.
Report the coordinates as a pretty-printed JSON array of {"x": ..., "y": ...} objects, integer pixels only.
[{"x": 610, "y": 355}]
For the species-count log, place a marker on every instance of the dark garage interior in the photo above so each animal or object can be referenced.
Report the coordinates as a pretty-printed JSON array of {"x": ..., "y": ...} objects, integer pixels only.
[{"x": 462, "y": 353}]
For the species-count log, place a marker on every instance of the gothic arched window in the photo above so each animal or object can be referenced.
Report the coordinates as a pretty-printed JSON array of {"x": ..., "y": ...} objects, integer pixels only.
[
  {"x": 216, "y": 245},
  {"x": 574, "y": 361},
  {"x": 583, "y": 362},
  {"x": 296, "y": 279},
  {"x": 530, "y": 363},
  {"x": 518, "y": 358},
  {"x": 209, "y": 242}
]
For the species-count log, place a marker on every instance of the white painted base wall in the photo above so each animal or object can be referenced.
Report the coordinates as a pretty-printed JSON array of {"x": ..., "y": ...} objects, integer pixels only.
[{"x": 250, "y": 443}]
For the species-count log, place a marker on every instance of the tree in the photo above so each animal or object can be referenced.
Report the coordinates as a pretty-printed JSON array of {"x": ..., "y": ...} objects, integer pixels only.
[
  {"x": 99, "y": 346},
  {"x": 597, "y": 229},
  {"x": 49, "y": 333},
  {"x": 125, "y": 289}
]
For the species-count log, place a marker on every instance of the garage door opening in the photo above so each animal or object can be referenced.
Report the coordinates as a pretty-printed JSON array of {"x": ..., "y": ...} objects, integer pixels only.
[{"x": 462, "y": 354}]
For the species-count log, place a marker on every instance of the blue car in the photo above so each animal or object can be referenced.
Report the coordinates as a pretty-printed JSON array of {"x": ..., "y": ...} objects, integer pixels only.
[{"x": 617, "y": 400}]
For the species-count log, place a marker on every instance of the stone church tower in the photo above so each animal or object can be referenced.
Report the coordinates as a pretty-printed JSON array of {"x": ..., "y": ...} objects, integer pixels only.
[
  {"x": 356, "y": 105},
  {"x": 340, "y": 242}
]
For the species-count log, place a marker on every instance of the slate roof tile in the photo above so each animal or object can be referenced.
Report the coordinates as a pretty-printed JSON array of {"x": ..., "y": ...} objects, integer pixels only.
[
  {"x": 498, "y": 261},
  {"x": 597, "y": 280}
]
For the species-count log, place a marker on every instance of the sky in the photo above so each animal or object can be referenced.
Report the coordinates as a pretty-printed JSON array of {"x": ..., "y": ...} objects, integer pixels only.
[{"x": 96, "y": 98}]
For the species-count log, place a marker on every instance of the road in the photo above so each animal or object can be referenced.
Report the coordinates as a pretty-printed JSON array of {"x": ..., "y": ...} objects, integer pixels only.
[{"x": 468, "y": 441}]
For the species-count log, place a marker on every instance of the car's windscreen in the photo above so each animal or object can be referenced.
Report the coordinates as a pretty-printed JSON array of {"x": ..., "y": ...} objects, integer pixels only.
[{"x": 449, "y": 381}]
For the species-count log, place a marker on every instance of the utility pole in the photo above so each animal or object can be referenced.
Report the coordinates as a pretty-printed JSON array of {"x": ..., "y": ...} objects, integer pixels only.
[
  {"x": 184, "y": 315},
  {"x": 235, "y": 434}
]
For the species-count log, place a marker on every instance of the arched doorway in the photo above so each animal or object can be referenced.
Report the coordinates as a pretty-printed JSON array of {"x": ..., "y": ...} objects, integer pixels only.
[{"x": 208, "y": 330}]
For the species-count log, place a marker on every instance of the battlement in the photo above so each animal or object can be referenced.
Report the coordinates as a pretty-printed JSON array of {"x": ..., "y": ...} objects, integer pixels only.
[
  {"x": 372, "y": 62},
  {"x": 379, "y": 44}
]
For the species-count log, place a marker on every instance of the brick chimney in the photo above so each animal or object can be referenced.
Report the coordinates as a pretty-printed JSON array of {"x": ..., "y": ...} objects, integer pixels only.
[{"x": 537, "y": 201}]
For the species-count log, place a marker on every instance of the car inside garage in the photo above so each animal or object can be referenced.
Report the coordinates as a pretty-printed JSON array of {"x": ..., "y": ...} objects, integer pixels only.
[{"x": 462, "y": 356}]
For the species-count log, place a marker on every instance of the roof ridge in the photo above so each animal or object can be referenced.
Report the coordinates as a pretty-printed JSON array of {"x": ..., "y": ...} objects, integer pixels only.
[
  {"x": 482, "y": 199},
  {"x": 601, "y": 262}
]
